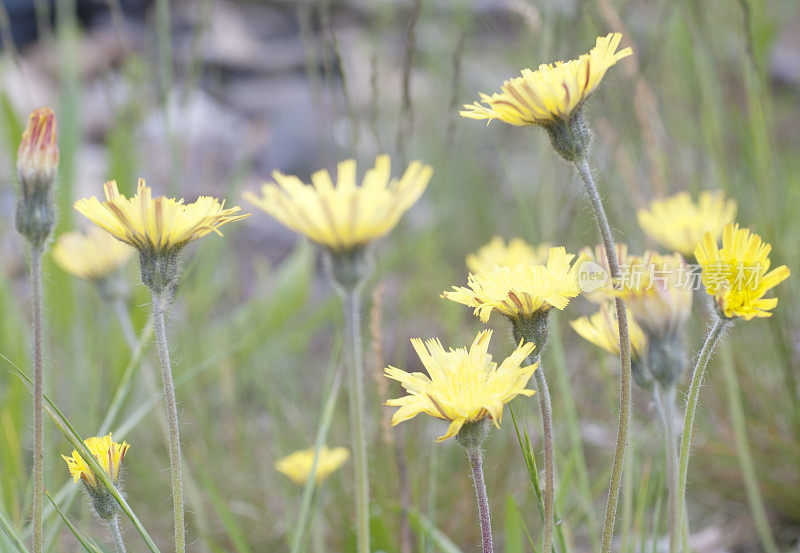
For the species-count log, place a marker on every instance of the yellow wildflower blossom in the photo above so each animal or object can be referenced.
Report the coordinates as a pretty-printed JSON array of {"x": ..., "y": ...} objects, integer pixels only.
[
  {"x": 516, "y": 252},
  {"x": 554, "y": 91},
  {"x": 521, "y": 291},
  {"x": 346, "y": 216},
  {"x": 297, "y": 466},
  {"x": 108, "y": 453},
  {"x": 602, "y": 330},
  {"x": 657, "y": 290},
  {"x": 461, "y": 385},
  {"x": 156, "y": 225},
  {"x": 737, "y": 275},
  {"x": 93, "y": 256},
  {"x": 677, "y": 223}
]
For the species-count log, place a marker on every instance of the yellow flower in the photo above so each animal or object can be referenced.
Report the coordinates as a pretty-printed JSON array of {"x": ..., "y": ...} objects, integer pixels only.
[
  {"x": 108, "y": 453},
  {"x": 93, "y": 256},
  {"x": 602, "y": 330},
  {"x": 297, "y": 466},
  {"x": 597, "y": 286},
  {"x": 346, "y": 216},
  {"x": 461, "y": 386},
  {"x": 679, "y": 224},
  {"x": 156, "y": 225},
  {"x": 657, "y": 290},
  {"x": 37, "y": 156},
  {"x": 521, "y": 291},
  {"x": 516, "y": 252},
  {"x": 738, "y": 275},
  {"x": 553, "y": 92}
]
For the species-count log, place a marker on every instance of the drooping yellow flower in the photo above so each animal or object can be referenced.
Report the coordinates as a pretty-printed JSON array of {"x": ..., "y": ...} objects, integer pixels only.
[
  {"x": 737, "y": 275},
  {"x": 156, "y": 225},
  {"x": 93, "y": 256},
  {"x": 679, "y": 224},
  {"x": 297, "y": 466},
  {"x": 461, "y": 385},
  {"x": 554, "y": 91},
  {"x": 108, "y": 453},
  {"x": 658, "y": 291},
  {"x": 521, "y": 291},
  {"x": 602, "y": 330},
  {"x": 346, "y": 216},
  {"x": 497, "y": 252}
]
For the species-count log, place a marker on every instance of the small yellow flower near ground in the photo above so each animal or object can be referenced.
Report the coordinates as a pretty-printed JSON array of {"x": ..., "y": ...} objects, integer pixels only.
[
  {"x": 93, "y": 256},
  {"x": 521, "y": 291},
  {"x": 108, "y": 453},
  {"x": 553, "y": 92},
  {"x": 679, "y": 224},
  {"x": 516, "y": 252},
  {"x": 602, "y": 330},
  {"x": 657, "y": 290},
  {"x": 462, "y": 386},
  {"x": 297, "y": 466},
  {"x": 346, "y": 216},
  {"x": 156, "y": 225},
  {"x": 737, "y": 275}
]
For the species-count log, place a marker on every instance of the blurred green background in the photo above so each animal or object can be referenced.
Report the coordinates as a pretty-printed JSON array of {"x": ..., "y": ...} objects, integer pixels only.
[{"x": 209, "y": 96}]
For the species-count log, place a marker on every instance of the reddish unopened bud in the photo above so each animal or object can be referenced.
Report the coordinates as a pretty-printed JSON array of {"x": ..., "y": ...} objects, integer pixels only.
[
  {"x": 37, "y": 157},
  {"x": 37, "y": 163}
]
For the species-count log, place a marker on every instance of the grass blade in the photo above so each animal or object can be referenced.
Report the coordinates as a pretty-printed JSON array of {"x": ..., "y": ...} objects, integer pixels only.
[
  {"x": 87, "y": 543},
  {"x": 9, "y": 532},
  {"x": 424, "y": 527}
]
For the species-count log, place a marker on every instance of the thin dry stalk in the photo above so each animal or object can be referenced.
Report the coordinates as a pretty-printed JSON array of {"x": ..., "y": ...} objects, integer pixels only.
[{"x": 405, "y": 127}]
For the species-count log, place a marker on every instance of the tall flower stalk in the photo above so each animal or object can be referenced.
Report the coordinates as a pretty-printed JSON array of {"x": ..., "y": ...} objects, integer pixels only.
[
  {"x": 526, "y": 293},
  {"x": 159, "y": 228},
  {"x": 345, "y": 219},
  {"x": 734, "y": 297},
  {"x": 469, "y": 390},
  {"x": 553, "y": 97},
  {"x": 37, "y": 164}
]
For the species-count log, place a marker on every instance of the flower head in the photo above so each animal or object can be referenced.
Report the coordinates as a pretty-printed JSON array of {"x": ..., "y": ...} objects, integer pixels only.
[
  {"x": 553, "y": 92},
  {"x": 602, "y": 330},
  {"x": 297, "y": 466},
  {"x": 657, "y": 290},
  {"x": 108, "y": 453},
  {"x": 93, "y": 256},
  {"x": 521, "y": 291},
  {"x": 679, "y": 224},
  {"x": 37, "y": 156},
  {"x": 497, "y": 252},
  {"x": 737, "y": 275},
  {"x": 346, "y": 216},
  {"x": 462, "y": 386},
  {"x": 156, "y": 225}
]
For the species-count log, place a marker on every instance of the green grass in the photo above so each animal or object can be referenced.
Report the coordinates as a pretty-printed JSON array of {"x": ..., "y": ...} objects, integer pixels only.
[{"x": 252, "y": 340}]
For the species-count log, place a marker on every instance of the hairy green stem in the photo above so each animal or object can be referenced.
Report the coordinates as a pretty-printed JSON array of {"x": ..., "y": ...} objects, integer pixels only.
[
  {"x": 667, "y": 398},
  {"x": 113, "y": 525},
  {"x": 714, "y": 334},
  {"x": 475, "y": 456},
  {"x": 582, "y": 167},
  {"x": 38, "y": 394},
  {"x": 549, "y": 466},
  {"x": 159, "y": 316},
  {"x": 352, "y": 329}
]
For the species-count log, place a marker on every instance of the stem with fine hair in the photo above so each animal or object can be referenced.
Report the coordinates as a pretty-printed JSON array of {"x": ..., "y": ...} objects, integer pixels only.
[
  {"x": 582, "y": 167},
  {"x": 352, "y": 330},
  {"x": 113, "y": 525},
  {"x": 667, "y": 399},
  {"x": 714, "y": 334},
  {"x": 38, "y": 393},
  {"x": 475, "y": 456},
  {"x": 549, "y": 466},
  {"x": 159, "y": 315}
]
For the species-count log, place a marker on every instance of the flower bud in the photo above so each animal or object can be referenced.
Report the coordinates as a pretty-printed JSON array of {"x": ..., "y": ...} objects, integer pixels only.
[
  {"x": 570, "y": 137},
  {"x": 37, "y": 163}
]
